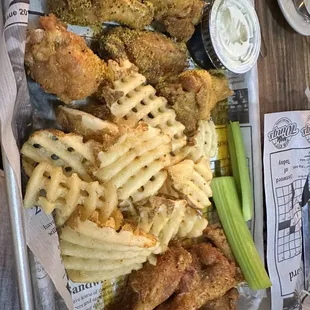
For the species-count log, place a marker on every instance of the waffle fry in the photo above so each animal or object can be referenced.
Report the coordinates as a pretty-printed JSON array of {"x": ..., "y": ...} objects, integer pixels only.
[
  {"x": 70, "y": 235},
  {"x": 193, "y": 224},
  {"x": 116, "y": 253},
  {"x": 162, "y": 217},
  {"x": 192, "y": 182},
  {"x": 206, "y": 142},
  {"x": 127, "y": 236},
  {"x": 139, "y": 102},
  {"x": 151, "y": 187},
  {"x": 91, "y": 264},
  {"x": 134, "y": 161},
  {"x": 28, "y": 165},
  {"x": 123, "y": 85},
  {"x": 87, "y": 125},
  {"x": 75, "y": 250},
  {"x": 64, "y": 150},
  {"x": 111, "y": 201},
  {"x": 50, "y": 189},
  {"x": 96, "y": 276}
]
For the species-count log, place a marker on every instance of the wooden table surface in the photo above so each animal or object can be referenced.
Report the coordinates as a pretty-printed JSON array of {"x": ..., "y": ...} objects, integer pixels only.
[{"x": 284, "y": 72}]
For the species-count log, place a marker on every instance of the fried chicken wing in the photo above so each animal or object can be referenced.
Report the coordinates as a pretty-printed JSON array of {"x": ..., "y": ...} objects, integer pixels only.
[
  {"x": 193, "y": 94},
  {"x": 184, "y": 103},
  {"x": 152, "y": 285},
  {"x": 156, "y": 56},
  {"x": 98, "y": 109},
  {"x": 226, "y": 302},
  {"x": 217, "y": 276},
  {"x": 133, "y": 13},
  {"x": 179, "y": 17},
  {"x": 61, "y": 62},
  {"x": 217, "y": 236}
]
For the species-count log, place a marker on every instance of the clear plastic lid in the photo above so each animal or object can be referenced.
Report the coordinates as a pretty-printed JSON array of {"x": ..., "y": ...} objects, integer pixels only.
[{"x": 235, "y": 35}]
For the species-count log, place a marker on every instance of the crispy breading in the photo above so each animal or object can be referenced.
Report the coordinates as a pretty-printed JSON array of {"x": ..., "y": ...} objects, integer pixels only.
[
  {"x": 190, "y": 279},
  {"x": 98, "y": 109},
  {"x": 193, "y": 95},
  {"x": 184, "y": 103},
  {"x": 61, "y": 62},
  {"x": 156, "y": 56},
  {"x": 152, "y": 285},
  {"x": 226, "y": 302},
  {"x": 216, "y": 278},
  {"x": 178, "y": 16},
  {"x": 209, "y": 89},
  {"x": 133, "y": 13},
  {"x": 216, "y": 235}
]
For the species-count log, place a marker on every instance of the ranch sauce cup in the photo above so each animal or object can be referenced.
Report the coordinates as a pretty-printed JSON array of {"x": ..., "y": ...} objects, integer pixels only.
[{"x": 228, "y": 37}]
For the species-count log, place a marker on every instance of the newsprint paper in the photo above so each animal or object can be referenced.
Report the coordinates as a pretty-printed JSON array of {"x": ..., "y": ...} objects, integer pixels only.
[{"x": 287, "y": 188}]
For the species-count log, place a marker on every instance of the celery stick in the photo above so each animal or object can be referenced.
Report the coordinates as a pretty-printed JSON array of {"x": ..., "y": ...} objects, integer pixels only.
[
  {"x": 238, "y": 235},
  {"x": 240, "y": 169}
]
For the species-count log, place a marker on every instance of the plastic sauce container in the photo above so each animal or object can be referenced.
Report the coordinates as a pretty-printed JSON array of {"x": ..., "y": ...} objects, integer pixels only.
[{"x": 228, "y": 37}]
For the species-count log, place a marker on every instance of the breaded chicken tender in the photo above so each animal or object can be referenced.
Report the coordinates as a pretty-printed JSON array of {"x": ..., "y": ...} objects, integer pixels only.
[
  {"x": 156, "y": 56},
  {"x": 217, "y": 276},
  {"x": 152, "y": 285},
  {"x": 133, "y": 13},
  {"x": 61, "y": 62}
]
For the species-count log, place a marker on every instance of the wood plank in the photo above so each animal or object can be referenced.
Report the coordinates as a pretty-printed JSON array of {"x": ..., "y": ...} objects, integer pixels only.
[{"x": 284, "y": 73}]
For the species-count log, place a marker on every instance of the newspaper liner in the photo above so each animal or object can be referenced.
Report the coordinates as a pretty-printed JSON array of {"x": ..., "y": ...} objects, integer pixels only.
[
  {"x": 37, "y": 112},
  {"x": 287, "y": 188}
]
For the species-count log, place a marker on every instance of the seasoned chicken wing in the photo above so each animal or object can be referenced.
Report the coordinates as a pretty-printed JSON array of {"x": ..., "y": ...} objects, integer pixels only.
[
  {"x": 133, "y": 13},
  {"x": 152, "y": 285},
  {"x": 217, "y": 236},
  {"x": 61, "y": 62},
  {"x": 193, "y": 94},
  {"x": 216, "y": 277},
  {"x": 179, "y": 17},
  {"x": 156, "y": 56}
]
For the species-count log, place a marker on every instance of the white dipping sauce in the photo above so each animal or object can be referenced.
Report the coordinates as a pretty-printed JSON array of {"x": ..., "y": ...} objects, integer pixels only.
[{"x": 235, "y": 34}]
